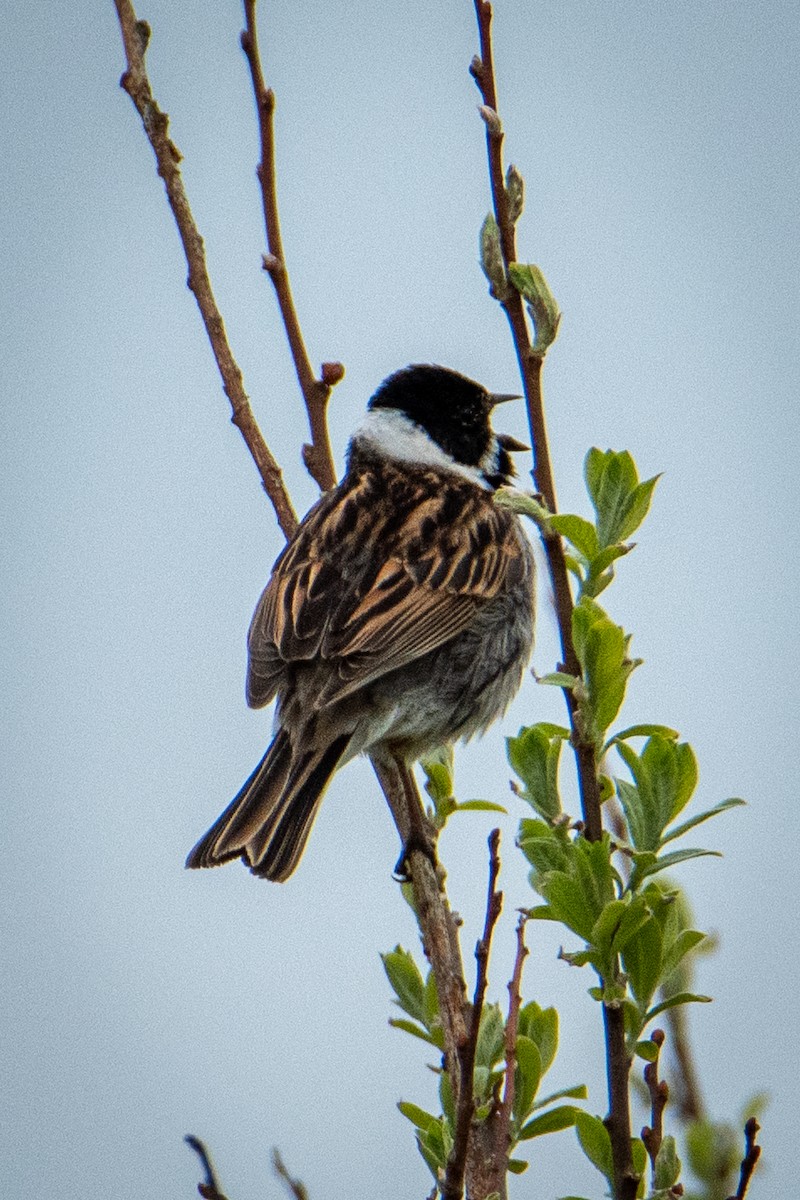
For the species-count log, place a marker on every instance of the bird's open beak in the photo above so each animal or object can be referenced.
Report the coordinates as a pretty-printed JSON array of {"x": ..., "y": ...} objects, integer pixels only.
[{"x": 511, "y": 443}]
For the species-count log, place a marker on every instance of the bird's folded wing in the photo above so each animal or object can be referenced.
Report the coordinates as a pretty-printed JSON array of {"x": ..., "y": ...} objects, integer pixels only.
[{"x": 370, "y": 613}]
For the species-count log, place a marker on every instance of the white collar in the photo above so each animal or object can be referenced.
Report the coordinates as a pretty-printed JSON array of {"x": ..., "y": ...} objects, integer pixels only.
[{"x": 394, "y": 435}]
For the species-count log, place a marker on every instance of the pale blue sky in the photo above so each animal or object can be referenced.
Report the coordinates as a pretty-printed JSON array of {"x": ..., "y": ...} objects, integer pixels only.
[{"x": 659, "y": 146}]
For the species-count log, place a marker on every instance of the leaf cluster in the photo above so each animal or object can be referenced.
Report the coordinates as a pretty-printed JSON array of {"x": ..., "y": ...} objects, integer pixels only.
[{"x": 535, "y": 1050}]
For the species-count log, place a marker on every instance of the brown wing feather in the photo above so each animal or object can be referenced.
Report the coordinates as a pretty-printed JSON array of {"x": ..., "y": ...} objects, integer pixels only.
[{"x": 445, "y": 550}]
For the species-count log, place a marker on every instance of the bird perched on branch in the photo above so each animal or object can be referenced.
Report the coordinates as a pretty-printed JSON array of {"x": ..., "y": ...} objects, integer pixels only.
[{"x": 398, "y": 619}]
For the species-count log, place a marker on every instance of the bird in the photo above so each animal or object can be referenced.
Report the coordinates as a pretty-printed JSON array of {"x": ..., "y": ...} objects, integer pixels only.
[{"x": 398, "y": 619}]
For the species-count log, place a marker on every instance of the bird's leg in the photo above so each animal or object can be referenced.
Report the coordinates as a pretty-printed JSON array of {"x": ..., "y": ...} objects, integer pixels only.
[{"x": 418, "y": 834}]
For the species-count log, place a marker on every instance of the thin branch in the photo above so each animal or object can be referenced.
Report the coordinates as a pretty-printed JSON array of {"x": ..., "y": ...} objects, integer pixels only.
[
  {"x": 530, "y": 365},
  {"x": 210, "y": 1190},
  {"x": 135, "y": 37},
  {"x": 653, "y": 1134},
  {"x": 618, "y": 1121},
  {"x": 752, "y": 1153},
  {"x": 512, "y": 1029},
  {"x": 293, "y": 1186},
  {"x": 453, "y": 1184},
  {"x": 530, "y": 362},
  {"x": 316, "y": 392}
]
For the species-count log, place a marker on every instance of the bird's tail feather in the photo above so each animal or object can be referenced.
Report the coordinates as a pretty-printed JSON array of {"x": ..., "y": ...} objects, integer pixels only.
[{"x": 268, "y": 822}]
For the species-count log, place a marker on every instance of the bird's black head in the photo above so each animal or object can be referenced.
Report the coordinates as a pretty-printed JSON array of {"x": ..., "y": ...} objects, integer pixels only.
[{"x": 455, "y": 412}]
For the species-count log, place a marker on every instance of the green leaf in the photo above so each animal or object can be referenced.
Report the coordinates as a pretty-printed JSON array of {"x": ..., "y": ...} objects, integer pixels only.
[
  {"x": 580, "y": 532},
  {"x": 667, "y": 1165},
  {"x": 409, "y": 1027},
  {"x": 713, "y": 1150},
  {"x": 643, "y": 959},
  {"x": 527, "y": 1076},
  {"x": 678, "y": 830},
  {"x": 515, "y": 191},
  {"x": 634, "y": 731},
  {"x": 602, "y": 648},
  {"x": 620, "y": 500},
  {"x": 558, "y": 679},
  {"x": 552, "y": 1121},
  {"x": 685, "y": 942},
  {"x": 639, "y": 1156},
  {"x": 525, "y": 505},
  {"x": 595, "y": 1143},
  {"x": 515, "y": 1166},
  {"x": 578, "y": 1092},
  {"x": 490, "y": 1047},
  {"x": 545, "y": 848},
  {"x": 404, "y": 976},
  {"x": 434, "y": 1145},
  {"x": 430, "y": 1003},
  {"x": 567, "y": 900},
  {"x": 447, "y": 1099},
  {"x": 645, "y": 868},
  {"x": 480, "y": 806},
  {"x": 534, "y": 757},
  {"x": 438, "y": 768},
  {"x": 604, "y": 558},
  {"x": 541, "y": 1026},
  {"x": 637, "y": 508},
  {"x": 665, "y": 775},
  {"x": 491, "y": 258},
  {"x": 592, "y": 865},
  {"x": 417, "y": 1116},
  {"x": 674, "y": 1001},
  {"x": 647, "y": 1050},
  {"x": 529, "y": 281}
]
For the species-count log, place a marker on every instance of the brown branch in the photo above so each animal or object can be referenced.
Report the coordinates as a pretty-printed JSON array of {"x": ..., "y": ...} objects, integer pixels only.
[
  {"x": 512, "y": 1029},
  {"x": 210, "y": 1190},
  {"x": 653, "y": 1134},
  {"x": 434, "y": 915},
  {"x": 751, "y": 1157},
  {"x": 452, "y": 1187},
  {"x": 530, "y": 360},
  {"x": 618, "y": 1121},
  {"x": 530, "y": 366},
  {"x": 135, "y": 36},
  {"x": 293, "y": 1186},
  {"x": 316, "y": 392}
]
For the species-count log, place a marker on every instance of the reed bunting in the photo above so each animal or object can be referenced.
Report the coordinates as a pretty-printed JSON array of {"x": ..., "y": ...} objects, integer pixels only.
[{"x": 398, "y": 619}]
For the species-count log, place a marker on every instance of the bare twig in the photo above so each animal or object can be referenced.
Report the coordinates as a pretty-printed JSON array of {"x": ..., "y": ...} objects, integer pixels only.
[
  {"x": 453, "y": 1184},
  {"x": 316, "y": 392},
  {"x": 210, "y": 1190},
  {"x": 293, "y": 1186},
  {"x": 512, "y": 1029},
  {"x": 653, "y": 1134},
  {"x": 135, "y": 36},
  {"x": 530, "y": 364},
  {"x": 752, "y": 1153}
]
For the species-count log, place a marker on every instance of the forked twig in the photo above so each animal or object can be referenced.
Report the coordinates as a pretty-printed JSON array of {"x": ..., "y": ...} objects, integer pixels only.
[{"x": 135, "y": 37}]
